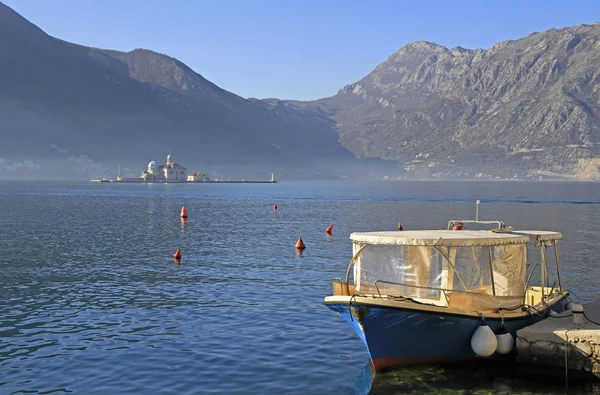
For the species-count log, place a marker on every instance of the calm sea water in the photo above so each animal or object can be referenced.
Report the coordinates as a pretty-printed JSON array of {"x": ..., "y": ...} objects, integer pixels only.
[{"x": 91, "y": 302}]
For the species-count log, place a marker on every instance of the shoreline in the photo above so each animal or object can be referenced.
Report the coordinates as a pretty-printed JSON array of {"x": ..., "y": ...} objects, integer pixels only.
[{"x": 186, "y": 182}]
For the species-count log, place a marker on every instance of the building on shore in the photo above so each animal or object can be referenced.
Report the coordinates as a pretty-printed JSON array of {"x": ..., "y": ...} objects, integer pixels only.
[
  {"x": 170, "y": 171},
  {"x": 174, "y": 172},
  {"x": 197, "y": 177}
]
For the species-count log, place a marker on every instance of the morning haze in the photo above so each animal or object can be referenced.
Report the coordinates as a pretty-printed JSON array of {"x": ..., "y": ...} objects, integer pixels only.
[{"x": 521, "y": 108}]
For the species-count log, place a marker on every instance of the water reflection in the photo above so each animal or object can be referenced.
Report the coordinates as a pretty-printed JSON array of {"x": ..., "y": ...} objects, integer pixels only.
[
  {"x": 94, "y": 289},
  {"x": 477, "y": 377},
  {"x": 362, "y": 384}
]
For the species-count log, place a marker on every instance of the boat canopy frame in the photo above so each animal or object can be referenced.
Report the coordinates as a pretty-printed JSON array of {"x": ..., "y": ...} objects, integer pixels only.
[
  {"x": 543, "y": 240},
  {"x": 437, "y": 239}
]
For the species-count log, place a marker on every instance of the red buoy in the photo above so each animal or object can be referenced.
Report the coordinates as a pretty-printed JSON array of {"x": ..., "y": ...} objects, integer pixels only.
[
  {"x": 329, "y": 229},
  {"x": 275, "y": 207},
  {"x": 300, "y": 244},
  {"x": 177, "y": 255},
  {"x": 183, "y": 212},
  {"x": 459, "y": 226},
  {"x": 400, "y": 226}
]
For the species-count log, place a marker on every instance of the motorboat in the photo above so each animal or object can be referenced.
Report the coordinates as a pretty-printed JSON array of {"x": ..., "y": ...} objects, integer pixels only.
[{"x": 435, "y": 296}]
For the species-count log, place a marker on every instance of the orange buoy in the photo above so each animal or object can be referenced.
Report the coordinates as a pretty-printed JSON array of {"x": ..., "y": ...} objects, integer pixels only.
[
  {"x": 183, "y": 212},
  {"x": 329, "y": 229},
  {"x": 275, "y": 207},
  {"x": 300, "y": 244},
  {"x": 459, "y": 226},
  {"x": 177, "y": 255},
  {"x": 400, "y": 226}
]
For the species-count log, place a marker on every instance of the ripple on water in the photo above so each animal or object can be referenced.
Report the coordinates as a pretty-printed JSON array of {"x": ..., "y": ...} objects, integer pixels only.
[{"x": 94, "y": 303}]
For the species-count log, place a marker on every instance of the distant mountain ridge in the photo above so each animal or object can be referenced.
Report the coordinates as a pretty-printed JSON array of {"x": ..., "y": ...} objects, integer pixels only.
[
  {"x": 129, "y": 106},
  {"x": 525, "y": 106},
  {"x": 532, "y": 103}
]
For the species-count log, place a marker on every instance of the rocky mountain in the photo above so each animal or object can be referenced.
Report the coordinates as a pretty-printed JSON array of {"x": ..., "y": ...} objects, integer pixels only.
[
  {"x": 88, "y": 109},
  {"x": 528, "y": 104}
]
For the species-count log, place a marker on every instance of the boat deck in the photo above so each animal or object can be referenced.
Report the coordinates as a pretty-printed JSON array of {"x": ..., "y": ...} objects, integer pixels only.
[{"x": 458, "y": 301}]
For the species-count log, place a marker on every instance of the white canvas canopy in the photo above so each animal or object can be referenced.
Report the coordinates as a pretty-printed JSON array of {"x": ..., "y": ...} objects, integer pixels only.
[
  {"x": 440, "y": 238},
  {"x": 541, "y": 235},
  {"x": 472, "y": 269}
]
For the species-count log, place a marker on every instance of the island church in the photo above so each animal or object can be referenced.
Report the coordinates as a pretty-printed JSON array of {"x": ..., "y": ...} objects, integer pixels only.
[{"x": 170, "y": 171}]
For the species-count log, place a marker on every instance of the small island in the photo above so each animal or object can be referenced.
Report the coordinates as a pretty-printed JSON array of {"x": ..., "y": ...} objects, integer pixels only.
[{"x": 172, "y": 172}]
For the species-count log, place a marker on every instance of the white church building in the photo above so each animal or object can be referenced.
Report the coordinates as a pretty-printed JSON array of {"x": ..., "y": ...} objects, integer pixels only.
[{"x": 170, "y": 171}]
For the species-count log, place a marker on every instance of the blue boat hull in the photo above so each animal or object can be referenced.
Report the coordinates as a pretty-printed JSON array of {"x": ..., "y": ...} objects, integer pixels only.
[{"x": 396, "y": 337}]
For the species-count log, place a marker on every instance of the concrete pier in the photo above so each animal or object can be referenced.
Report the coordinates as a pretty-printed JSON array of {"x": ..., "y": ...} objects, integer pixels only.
[{"x": 555, "y": 342}]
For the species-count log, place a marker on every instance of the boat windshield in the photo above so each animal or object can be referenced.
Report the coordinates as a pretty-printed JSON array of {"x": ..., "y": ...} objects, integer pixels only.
[{"x": 470, "y": 275}]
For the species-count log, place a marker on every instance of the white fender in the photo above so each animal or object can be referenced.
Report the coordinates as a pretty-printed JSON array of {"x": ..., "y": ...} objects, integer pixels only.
[
  {"x": 484, "y": 342},
  {"x": 505, "y": 341}
]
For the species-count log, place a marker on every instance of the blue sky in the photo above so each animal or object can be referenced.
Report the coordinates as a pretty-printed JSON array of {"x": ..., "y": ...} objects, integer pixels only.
[{"x": 301, "y": 49}]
